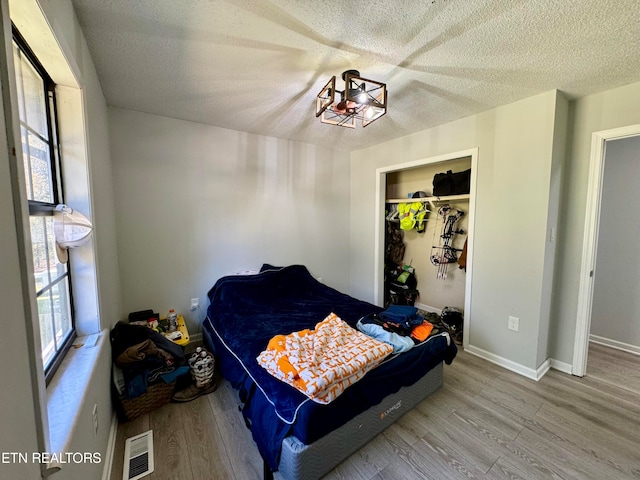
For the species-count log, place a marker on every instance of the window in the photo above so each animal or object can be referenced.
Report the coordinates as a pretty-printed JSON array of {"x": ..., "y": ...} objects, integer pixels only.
[{"x": 38, "y": 131}]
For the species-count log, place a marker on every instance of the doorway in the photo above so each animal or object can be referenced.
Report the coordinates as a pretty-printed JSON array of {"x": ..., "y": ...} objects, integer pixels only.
[
  {"x": 379, "y": 246},
  {"x": 590, "y": 246}
]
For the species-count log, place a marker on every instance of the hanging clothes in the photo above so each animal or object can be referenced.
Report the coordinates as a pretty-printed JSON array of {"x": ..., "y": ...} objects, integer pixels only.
[
  {"x": 395, "y": 247},
  {"x": 412, "y": 215}
]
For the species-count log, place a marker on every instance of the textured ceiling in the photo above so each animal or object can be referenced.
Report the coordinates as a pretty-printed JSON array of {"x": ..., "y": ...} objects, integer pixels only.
[{"x": 258, "y": 65}]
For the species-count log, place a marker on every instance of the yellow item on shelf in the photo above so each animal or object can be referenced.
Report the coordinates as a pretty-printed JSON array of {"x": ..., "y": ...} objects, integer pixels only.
[{"x": 182, "y": 328}]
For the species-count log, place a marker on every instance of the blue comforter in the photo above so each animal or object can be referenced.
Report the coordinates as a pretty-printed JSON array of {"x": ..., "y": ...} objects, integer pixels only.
[{"x": 245, "y": 312}]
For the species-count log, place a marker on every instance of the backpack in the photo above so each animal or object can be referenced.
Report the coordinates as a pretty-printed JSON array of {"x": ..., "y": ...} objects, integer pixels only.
[
  {"x": 400, "y": 285},
  {"x": 453, "y": 320}
]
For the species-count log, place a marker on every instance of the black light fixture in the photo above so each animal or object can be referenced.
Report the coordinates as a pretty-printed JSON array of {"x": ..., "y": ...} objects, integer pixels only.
[{"x": 362, "y": 99}]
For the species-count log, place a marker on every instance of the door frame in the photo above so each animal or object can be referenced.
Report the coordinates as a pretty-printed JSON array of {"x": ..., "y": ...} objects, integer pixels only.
[
  {"x": 381, "y": 187},
  {"x": 590, "y": 241}
]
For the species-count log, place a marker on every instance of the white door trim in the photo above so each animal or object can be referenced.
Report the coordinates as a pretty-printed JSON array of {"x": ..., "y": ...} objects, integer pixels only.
[
  {"x": 381, "y": 184},
  {"x": 590, "y": 241}
]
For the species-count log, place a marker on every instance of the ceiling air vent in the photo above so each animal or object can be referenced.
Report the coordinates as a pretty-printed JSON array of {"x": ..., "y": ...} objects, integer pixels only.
[{"x": 138, "y": 456}]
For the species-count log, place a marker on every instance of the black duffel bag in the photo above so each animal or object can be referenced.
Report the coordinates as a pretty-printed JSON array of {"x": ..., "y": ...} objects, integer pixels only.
[{"x": 451, "y": 183}]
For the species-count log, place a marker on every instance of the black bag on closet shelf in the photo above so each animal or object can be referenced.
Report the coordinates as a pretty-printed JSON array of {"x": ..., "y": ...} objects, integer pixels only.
[{"x": 451, "y": 183}]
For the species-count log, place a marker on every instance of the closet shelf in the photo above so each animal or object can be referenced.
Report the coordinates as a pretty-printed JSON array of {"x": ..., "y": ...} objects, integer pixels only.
[{"x": 447, "y": 198}]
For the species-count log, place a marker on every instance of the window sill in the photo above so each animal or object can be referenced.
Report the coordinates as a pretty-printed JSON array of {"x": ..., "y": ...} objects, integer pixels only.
[{"x": 68, "y": 390}]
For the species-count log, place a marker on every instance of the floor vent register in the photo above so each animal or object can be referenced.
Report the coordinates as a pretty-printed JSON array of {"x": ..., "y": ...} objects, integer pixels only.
[{"x": 138, "y": 456}]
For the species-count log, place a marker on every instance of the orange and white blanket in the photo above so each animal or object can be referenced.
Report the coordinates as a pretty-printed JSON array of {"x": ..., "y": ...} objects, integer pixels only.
[{"x": 323, "y": 362}]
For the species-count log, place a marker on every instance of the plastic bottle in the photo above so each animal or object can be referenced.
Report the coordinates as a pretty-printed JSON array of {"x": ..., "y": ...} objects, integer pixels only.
[{"x": 172, "y": 321}]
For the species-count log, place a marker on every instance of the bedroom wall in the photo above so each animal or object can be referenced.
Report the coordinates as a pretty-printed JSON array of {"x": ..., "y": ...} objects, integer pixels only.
[
  {"x": 606, "y": 110},
  {"x": 197, "y": 202},
  {"x": 616, "y": 300},
  {"x": 18, "y": 419},
  {"x": 514, "y": 187}
]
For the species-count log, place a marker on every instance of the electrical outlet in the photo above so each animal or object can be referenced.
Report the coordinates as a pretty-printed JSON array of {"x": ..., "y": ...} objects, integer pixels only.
[
  {"x": 94, "y": 418},
  {"x": 514, "y": 323},
  {"x": 195, "y": 304}
]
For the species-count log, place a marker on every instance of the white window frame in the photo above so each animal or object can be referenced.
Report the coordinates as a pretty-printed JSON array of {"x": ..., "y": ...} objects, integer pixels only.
[{"x": 54, "y": 351}]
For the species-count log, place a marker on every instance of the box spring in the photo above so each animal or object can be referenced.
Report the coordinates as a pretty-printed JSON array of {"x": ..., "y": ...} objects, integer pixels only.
[{"x": 308, "y": 462}]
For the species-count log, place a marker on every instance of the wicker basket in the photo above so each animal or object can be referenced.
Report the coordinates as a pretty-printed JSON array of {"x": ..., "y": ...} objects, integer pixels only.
[{"x": 156, "y": 396}]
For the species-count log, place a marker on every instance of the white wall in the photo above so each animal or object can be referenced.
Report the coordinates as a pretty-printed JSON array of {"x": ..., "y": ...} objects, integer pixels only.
[
  {"x": 53, "y": 32},
  {"x": 101, "y": 187},
  {"x": 549, "y": 291},
  {"x": 197, "y": 202},
  {"x": 614, "y": 108},
  {"x": 616, "y": 294},
  {"x": 18, "y": 421},
  {"x": 18, "y": 418},
  {"x": 515, "y": 144}
]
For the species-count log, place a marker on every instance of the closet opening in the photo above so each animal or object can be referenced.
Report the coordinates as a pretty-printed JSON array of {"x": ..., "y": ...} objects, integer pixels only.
[{"x": 434, "y": 233}]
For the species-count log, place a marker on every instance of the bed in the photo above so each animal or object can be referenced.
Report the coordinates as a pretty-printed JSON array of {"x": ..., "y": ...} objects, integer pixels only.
[{"x": 296, "y": 436}]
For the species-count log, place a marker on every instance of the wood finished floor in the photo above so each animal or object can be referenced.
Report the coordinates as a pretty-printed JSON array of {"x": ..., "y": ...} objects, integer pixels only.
[{"x": 485, "y": 423}]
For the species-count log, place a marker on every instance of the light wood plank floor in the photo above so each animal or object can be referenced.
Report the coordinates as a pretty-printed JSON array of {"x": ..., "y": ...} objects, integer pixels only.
[{"x": 485, "y": 423}]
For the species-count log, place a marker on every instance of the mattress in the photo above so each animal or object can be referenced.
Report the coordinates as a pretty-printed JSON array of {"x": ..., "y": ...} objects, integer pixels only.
[{"x": 245, "y": 312}]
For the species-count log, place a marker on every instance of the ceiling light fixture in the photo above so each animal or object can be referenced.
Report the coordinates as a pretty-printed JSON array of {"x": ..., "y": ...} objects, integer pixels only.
[{"x": 361, "y": 99}]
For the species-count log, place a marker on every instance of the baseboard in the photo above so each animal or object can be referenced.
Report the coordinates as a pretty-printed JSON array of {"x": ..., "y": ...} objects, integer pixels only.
[
  {"x": 111, "y": 446},
  {"x": 562, "y": 366},
  {"x": 428, "y": 308},
  {"x": 542, "y": 369},
  {"x": 607, "y": 342},
  {"x": 536, "y": 374}
]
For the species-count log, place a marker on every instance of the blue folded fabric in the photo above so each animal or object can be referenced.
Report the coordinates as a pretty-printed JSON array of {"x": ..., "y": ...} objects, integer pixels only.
[
  {"x": 399, "y": 343},
  {"x": 172, "y": 376},
  {"x": 137, "y": 385},
  {"x": 404, "y": 315}
]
